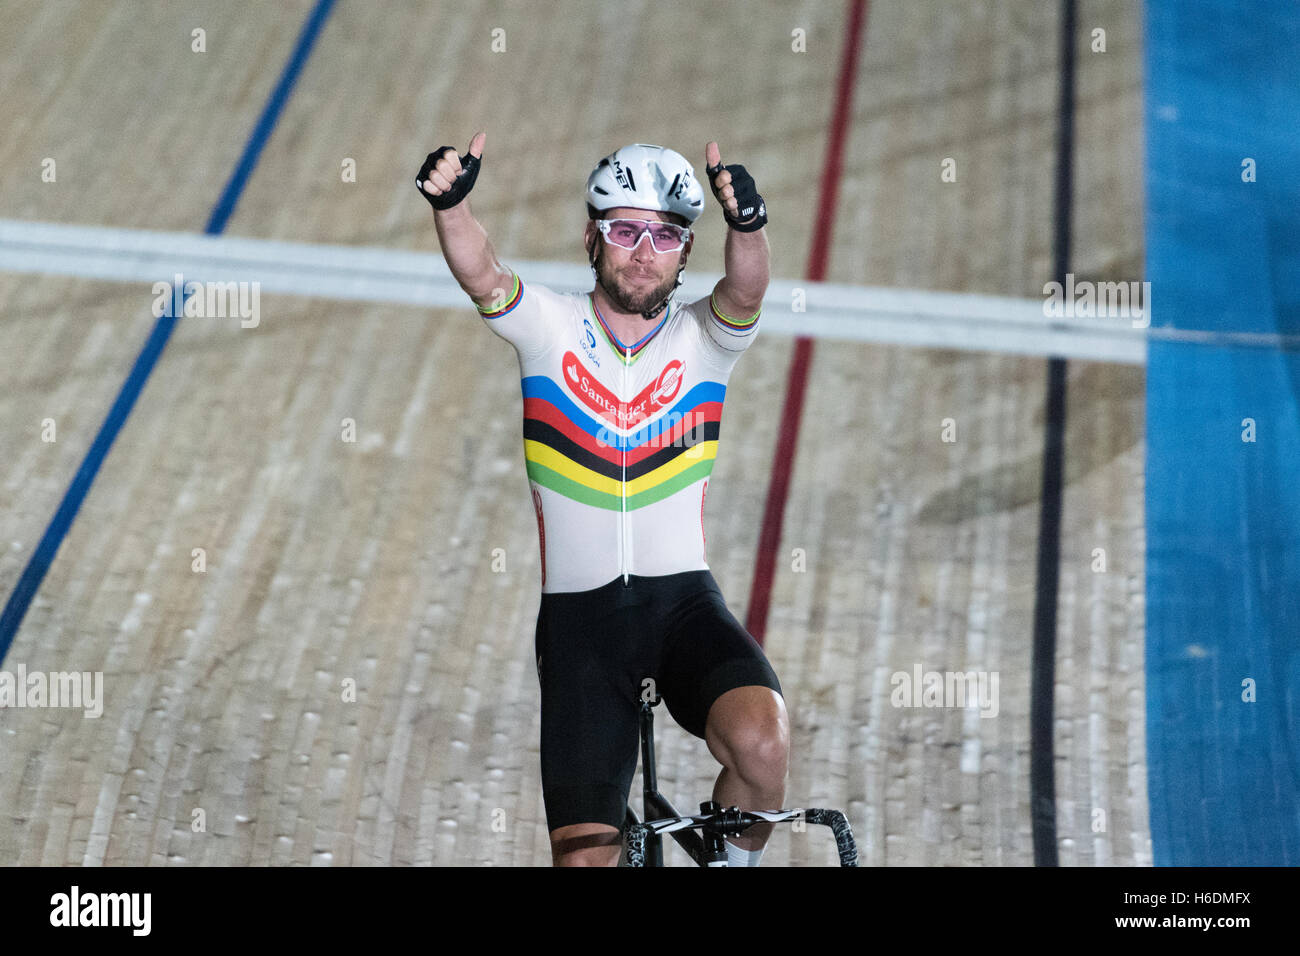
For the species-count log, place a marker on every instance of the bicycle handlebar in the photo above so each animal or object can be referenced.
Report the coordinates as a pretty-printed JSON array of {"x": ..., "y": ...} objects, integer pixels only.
[
  {"x": 839, "y": 825},
  {"x": 733, "y": 821}
]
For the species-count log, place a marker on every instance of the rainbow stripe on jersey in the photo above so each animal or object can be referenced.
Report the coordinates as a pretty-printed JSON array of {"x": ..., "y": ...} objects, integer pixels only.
[{"x": 577, "y": 454}]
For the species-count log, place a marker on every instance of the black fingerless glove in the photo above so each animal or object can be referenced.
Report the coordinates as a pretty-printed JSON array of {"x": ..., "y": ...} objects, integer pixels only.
[
  {"x": 748, "y": 202},
  {"x": 460, "y": 186}
]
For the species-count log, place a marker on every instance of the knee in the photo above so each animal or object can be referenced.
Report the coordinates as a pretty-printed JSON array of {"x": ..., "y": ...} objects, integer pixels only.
[
  {"x": 756, "y": 744},
  {"x": 585, "y": 844},
  {"x": 764, "y": 751}
]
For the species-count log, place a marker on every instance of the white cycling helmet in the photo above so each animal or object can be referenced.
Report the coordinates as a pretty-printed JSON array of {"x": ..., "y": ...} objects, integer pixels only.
[{"x": 645, "y": 177}]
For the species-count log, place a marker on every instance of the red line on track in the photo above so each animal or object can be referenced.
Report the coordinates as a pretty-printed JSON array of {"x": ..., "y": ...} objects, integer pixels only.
[{"x": 778, "y": 490}]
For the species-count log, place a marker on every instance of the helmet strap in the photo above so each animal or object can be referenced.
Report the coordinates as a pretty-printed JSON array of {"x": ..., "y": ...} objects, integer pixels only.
[{"x": 651, "y": 313}]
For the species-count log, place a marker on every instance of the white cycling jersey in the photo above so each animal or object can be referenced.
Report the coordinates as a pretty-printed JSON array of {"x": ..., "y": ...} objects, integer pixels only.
[{"x": 619, "y": 439}]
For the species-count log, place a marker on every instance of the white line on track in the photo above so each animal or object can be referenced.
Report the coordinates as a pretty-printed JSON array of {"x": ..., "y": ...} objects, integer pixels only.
[{"x": 946, "y": 320}]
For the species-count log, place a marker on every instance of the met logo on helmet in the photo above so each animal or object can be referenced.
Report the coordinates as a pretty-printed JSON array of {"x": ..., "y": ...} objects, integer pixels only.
[{"x": 624, "y": 176}]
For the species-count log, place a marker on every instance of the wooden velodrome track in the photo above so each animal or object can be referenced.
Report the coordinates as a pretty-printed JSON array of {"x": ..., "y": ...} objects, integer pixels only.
[{"x": 379, "y": 561}]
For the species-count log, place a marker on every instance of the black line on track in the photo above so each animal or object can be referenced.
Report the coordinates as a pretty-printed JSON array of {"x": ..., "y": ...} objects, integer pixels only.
[{"x": 1042, "y": 755}]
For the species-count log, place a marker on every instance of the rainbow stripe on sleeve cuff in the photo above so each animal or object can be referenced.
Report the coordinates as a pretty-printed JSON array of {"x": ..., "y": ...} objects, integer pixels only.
[
  {"x": 512, "y": 300},
  {"x": 727, "y": 320}
]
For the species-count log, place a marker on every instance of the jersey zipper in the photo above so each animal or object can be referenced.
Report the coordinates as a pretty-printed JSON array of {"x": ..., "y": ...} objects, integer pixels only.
[{"x": 625, "y": 543}]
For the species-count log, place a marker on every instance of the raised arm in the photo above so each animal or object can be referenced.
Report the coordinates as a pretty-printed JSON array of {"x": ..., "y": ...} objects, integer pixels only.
[
  {"x": 446, "y": 181},
  {"x": 470, "y": 256},
  {"x": 740, "y": 292}
]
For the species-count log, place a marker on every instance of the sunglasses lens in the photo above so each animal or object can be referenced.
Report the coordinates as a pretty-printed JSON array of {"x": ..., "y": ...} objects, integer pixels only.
[
  {"x": 665, "y": 236},
  {"x": 625, "y": 232}
]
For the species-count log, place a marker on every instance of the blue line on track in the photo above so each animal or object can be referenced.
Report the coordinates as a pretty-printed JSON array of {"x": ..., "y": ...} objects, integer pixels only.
[{"x": 34, "y": 573}]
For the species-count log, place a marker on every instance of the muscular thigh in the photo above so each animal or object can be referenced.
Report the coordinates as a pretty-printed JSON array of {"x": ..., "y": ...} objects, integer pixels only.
[{"x": 708, "y": 652}]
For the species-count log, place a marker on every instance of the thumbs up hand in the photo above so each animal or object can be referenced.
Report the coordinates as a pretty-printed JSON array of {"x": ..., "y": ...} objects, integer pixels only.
[
  {"x": 733, "y": 187},
  {"x": 445, "y": 178}
]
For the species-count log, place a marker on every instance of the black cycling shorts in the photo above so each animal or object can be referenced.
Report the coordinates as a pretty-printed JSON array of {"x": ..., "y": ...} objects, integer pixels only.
[{"x": 594, "y": 651}]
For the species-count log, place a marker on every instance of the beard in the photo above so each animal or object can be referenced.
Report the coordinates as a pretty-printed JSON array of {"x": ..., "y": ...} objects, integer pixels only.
[{"x": 629, "y": 300}]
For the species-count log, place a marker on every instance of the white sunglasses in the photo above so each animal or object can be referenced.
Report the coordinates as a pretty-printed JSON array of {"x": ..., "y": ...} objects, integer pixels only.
[{"x": 628, "y": 233}]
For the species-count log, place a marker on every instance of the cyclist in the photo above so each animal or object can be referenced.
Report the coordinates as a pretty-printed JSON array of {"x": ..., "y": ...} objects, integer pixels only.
[{"x": 623, "y": 391}]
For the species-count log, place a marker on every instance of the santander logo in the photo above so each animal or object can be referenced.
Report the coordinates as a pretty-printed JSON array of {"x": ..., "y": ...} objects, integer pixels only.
[
  {"x": 592, "y": 394},
  {"x": 666, "y": 386},
  {"x": 606, "y": 404}
]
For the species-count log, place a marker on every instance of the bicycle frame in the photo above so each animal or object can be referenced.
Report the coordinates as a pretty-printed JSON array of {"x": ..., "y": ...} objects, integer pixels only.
[
  {"x": 643, "y": 842},
  {"x": 655, "y": 805}
]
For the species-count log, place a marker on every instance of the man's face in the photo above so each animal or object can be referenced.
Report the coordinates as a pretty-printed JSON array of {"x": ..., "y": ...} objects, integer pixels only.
[{"x": 637, "y": 278}]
